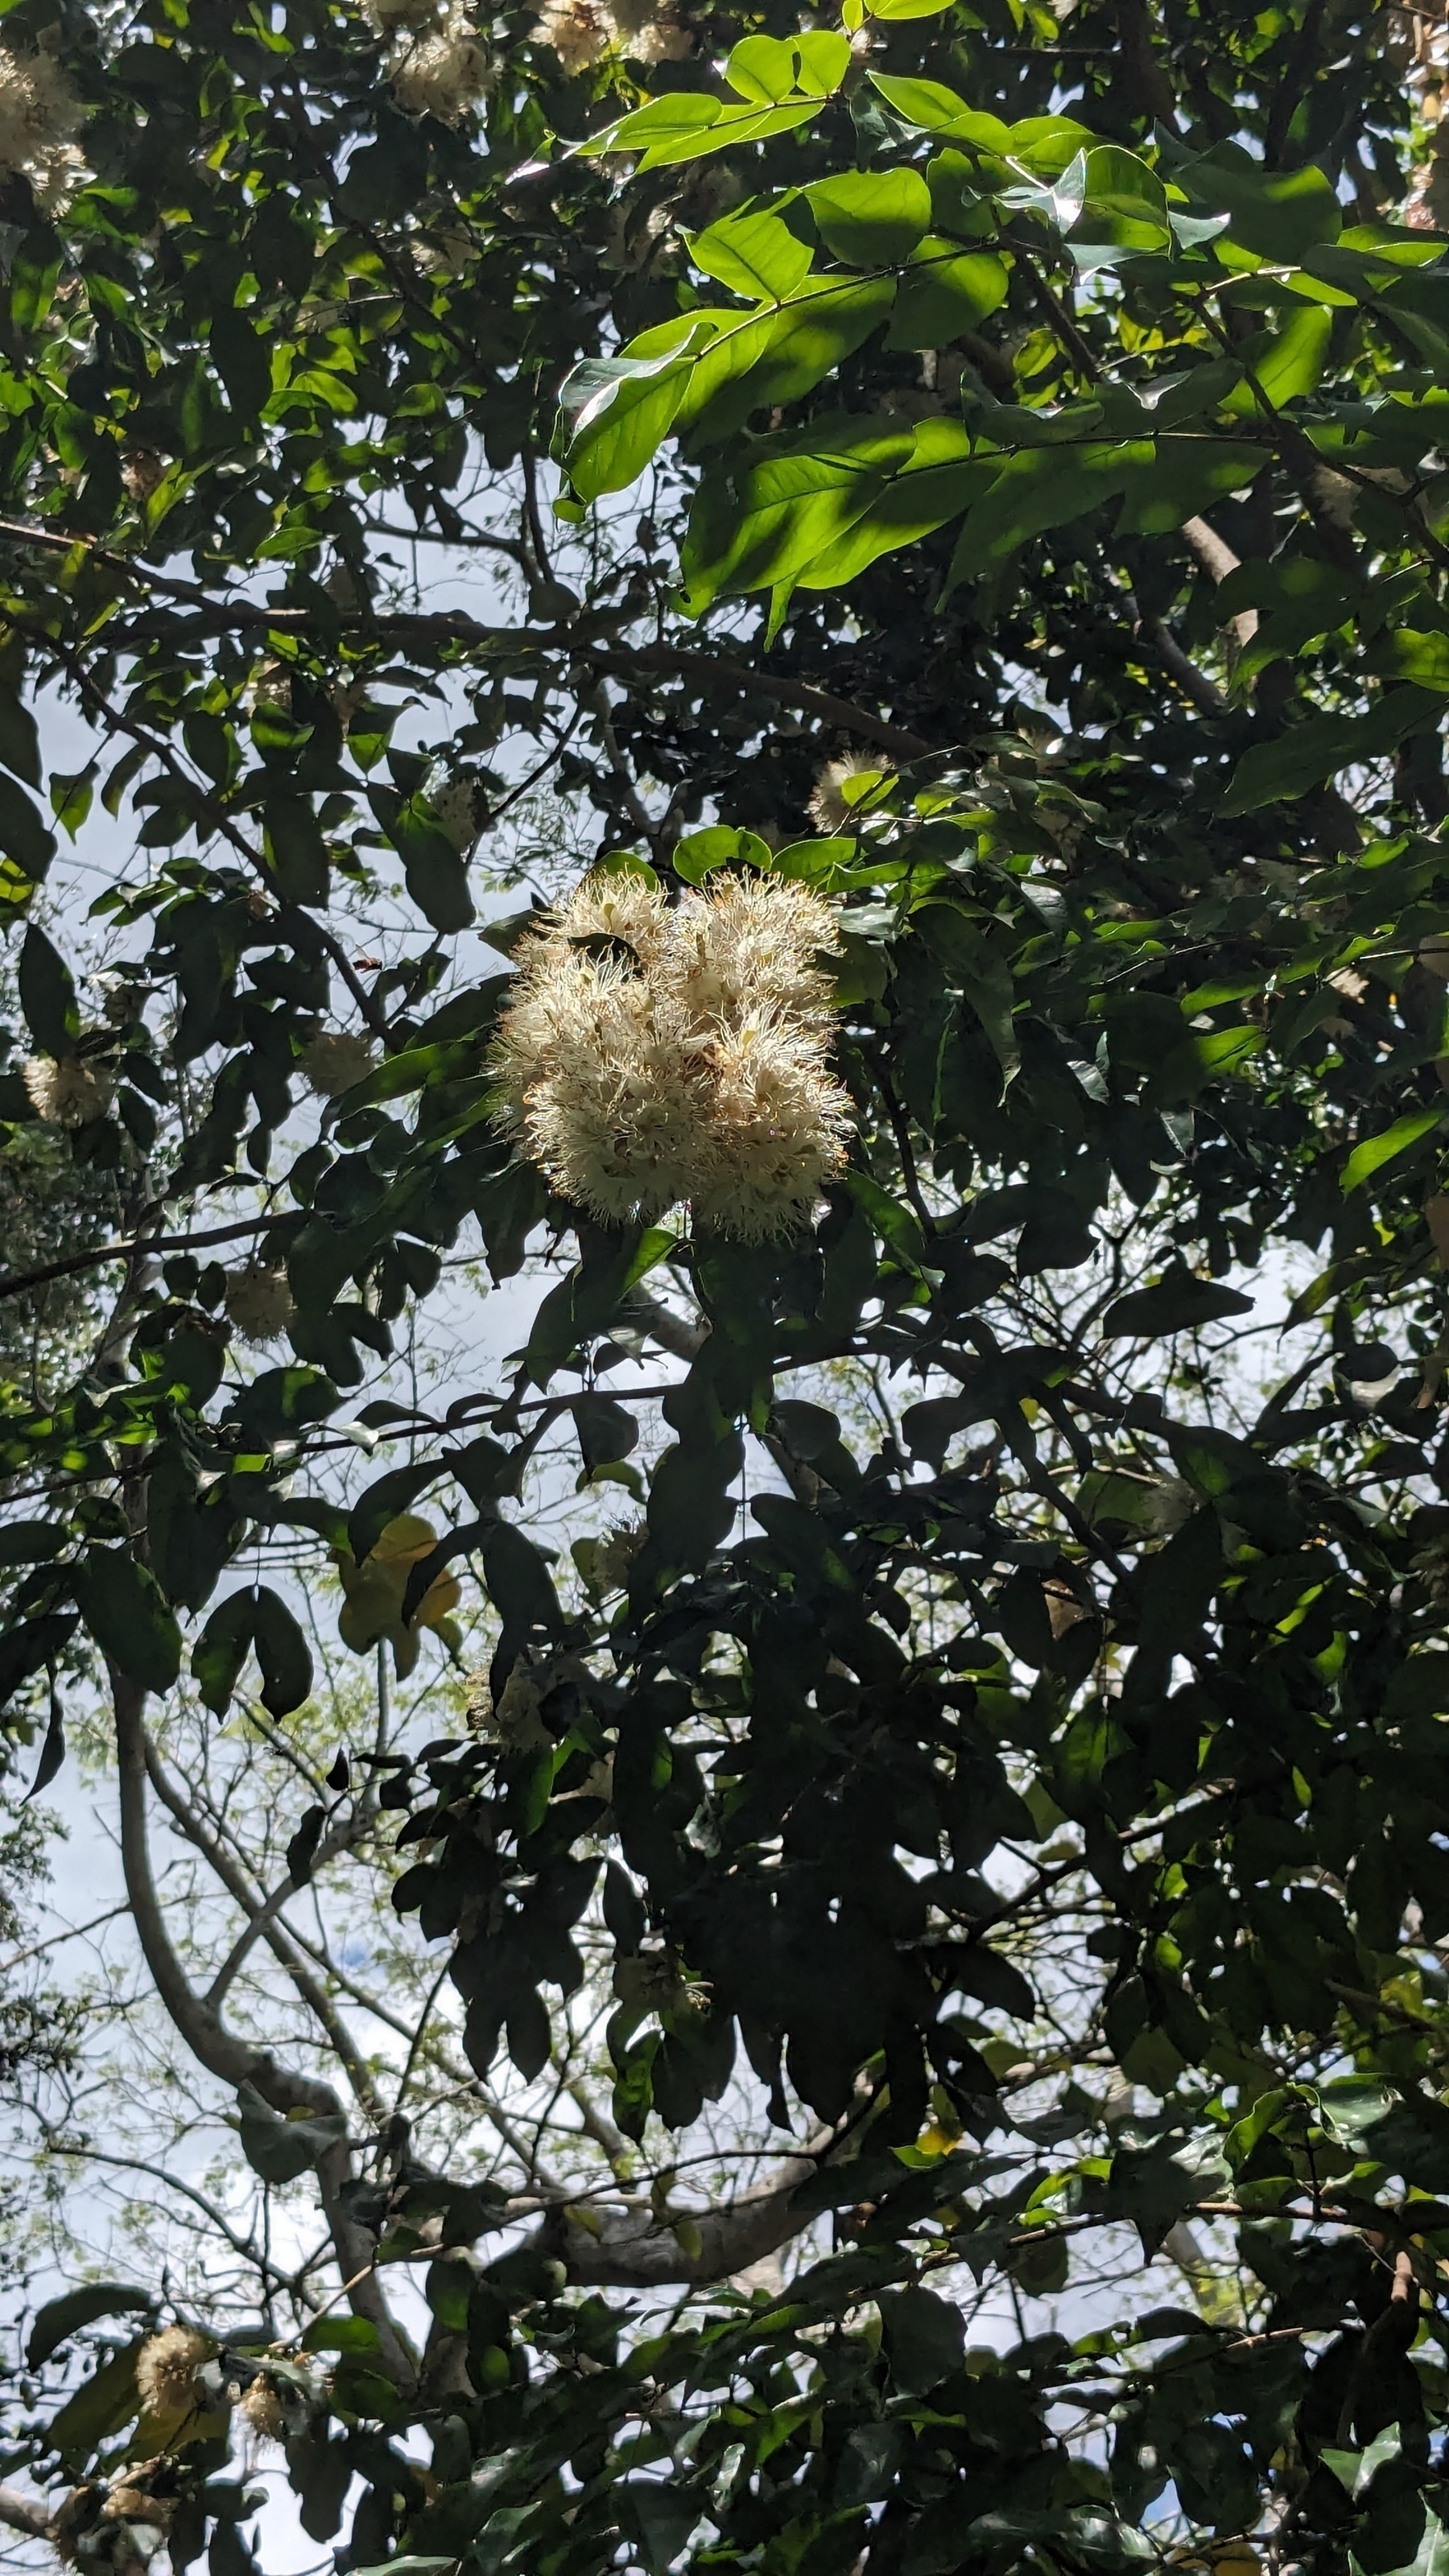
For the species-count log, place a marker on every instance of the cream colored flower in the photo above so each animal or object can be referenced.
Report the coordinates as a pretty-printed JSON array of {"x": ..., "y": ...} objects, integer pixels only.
[
  {"x": 830, "y": 810},
  {"x": 56, "y": 174},
  {"x": 334, "y": 1060},
  {"x": 649, "y": 34},
  {"x": 258, "y": 1303},
  {"x": 39, "y": 111},
  {"x": 166, "y": 2368},
  {"x": 614, "y": 1554},
  {"x": 126, "y": 2503},
  {"x": 654, "y": 1055},
  {"x": 441, "y": 71},
  {"x": 66, "y": 1091},
  {"x": 262, "y": 2407},
  {"x": 455, "y": 804},
  {"x": 580, "y": 32}
]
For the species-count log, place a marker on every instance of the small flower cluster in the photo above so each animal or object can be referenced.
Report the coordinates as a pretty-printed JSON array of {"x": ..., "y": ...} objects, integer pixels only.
[
  {"x": 166, "y": 2368},
  {"x": 258, "y": 1303},
  {"x": 655, "y": 1054},
  {"x": 65, "y": 1091},
  {"x": 39, "y": 112},
  {"x": 334, "y": 1060},
  {"x": 582, "y": 32},
  {"x": 438, "y": 66}
]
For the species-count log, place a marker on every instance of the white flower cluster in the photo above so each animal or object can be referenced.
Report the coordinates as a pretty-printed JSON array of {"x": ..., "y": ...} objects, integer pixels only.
[
  {"x": 65, "y": 1091},
  {"x": 39, "y": 112},
  {"x": 335, "y": 1059},
  {"x": 659, "y": 1053},
  {"x": 258, "y": 1303},
  {"x": 582, "y": 32},
  {"x": 438, "y": 66}
]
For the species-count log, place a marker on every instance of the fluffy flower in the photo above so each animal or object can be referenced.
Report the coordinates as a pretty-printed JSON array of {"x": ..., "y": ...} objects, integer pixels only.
[
  {"x": 56, "y": 174},
  {"x": 387, "y": 17},
  {"x": 830, "y": 809},
  {"x": 166, "y": 2367},
  {"x": 614, "y": 1554},
  {"x": 334, "y": 1060},
  {"x": 441, "y": 71},
  {"x": 653, "y": 1055},
  {"x": 455, "y": 804},
  {"x": 262, "y": 2407},
  {"x": 65, "y": 1091},
  {"x": 258, "y": 1303},
  {"x": 127, "y": 2503},
  {"x": 650, "y": 35},
  {"x": 580, "y": 32},
  {"x": 39, "y": 111},
  {"x": 781, "y": 1124}
]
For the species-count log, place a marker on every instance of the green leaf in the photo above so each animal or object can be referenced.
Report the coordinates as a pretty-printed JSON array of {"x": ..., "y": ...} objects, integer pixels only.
[
  {"x": 47, "y": 994},
  {"x": 871, "y": 219},
  {"x": 1276, "y": 215},
  {"x": 938, "y": 110},
  {"x": 102, "y": 2405},
  {"x": 282, "y": 2149},
  {"x": 1405, "y": 653},
  {"x": 923, "y": 2338},
  {"x": 221, "y": 1650},
  {"x": 946, "y": 291},
  {"x": 776, "y": 358},
  {"x": 1279, "y": 771},
  {"x": 934, "y": 484},
  {"x": 761, "y": 526},
  {"x": 342, "y": 2334},
  {"x": 61, "y": 2318},
  {"x": 282, "y": 1652},
  {"x": 1174, "y": 1304},
  {"x": 1281, "y": 365},
  {"x": 122, "y": 1605},
  {"x": 718, "y": 846},
  {"x": 518, "y": 1582},
  {"x": 295, "y": 849},
  {"x": 1375, "y": 1151},
  {"x": 435, "y": 869},
  {"x": 1039, "y": 489},
  {"x": 382, "y": 1501},
  {"x": 615, "y": 412},
  {"x": 753, "y": 253},
  {"x": 19, "y": 738}
]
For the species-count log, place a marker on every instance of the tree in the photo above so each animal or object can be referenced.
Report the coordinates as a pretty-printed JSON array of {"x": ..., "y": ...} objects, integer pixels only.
[{"x": 1033, "y": 1822}]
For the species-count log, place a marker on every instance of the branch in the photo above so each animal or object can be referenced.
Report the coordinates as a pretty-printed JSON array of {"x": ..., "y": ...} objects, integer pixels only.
[
  {"x": 312, "y": 1994},
  {"x": 641, "y": 2252},
  {"x": 240, "y": 2245},
  {"x": 234, "y": 2061},
  {"x": 1218, "y": 560},
  {"x": 455, "y": 627},
  {"x": 24, "y": 2513},
  {"x": 21, "y": 1280}
]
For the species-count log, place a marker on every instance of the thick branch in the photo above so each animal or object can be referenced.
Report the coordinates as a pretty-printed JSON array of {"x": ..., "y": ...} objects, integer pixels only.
[
  {"x": 234, "y": 2061},
  {"x": 21, "y": 1280},
  {"x": 1218, "y": 560},
  {"x": 638, "y": 2251},
  {"x": 24, "y": 2513},
  {"x": 225, "y": 617},
  {"x": 312, "y": 1994}
]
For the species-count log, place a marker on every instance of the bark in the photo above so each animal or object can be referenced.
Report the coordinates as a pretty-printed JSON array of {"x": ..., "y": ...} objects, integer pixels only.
[
  {"x": 638, "y": 2251},
  {"x": 231, "y": 2060},
  {"x": 24, "y": 2513}
]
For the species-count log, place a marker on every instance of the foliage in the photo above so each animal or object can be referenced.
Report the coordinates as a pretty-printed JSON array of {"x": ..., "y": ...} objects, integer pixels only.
[{"x": 1043, "y": 1813}]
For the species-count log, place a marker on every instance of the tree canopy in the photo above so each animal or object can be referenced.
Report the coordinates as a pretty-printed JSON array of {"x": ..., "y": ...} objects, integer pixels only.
[{"x": 975, "y": 471}]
